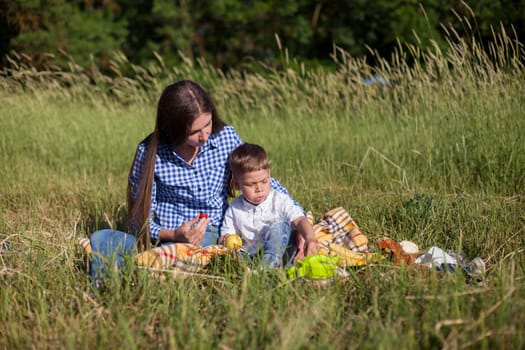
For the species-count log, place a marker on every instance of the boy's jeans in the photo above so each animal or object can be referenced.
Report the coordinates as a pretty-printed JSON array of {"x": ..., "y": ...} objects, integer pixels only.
[
  {"x": 109, "y": 247},
  {"x": 275, "y": 244}
]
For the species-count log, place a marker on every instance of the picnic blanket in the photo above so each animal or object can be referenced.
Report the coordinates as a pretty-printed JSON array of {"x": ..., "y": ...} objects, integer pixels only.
[
  {"x": 336, "y": 232},
  {"x": 338, "y": 235}
]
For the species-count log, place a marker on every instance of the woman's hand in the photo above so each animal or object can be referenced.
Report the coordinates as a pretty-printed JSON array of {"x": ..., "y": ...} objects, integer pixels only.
[{"x": 192, "y": 231}]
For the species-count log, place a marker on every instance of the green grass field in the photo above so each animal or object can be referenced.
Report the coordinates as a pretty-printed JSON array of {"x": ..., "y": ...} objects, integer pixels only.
[{"x": 437, "y": 158}]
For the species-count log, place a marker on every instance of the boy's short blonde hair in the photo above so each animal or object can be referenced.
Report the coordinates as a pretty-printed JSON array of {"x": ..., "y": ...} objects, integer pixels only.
[{"x": 246, "y": 158}]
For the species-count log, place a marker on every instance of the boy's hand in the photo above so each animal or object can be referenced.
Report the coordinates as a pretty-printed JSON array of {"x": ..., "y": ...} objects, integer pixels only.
[
  {"x": 300, "y": 242},
  {"x": 311, "y": 247},
  {"x": 222, "y": 238},
  {"x": 306, "y": 243}
]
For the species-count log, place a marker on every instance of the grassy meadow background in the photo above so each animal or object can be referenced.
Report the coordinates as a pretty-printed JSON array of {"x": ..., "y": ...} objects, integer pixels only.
[{"x": 437, "y": 158}]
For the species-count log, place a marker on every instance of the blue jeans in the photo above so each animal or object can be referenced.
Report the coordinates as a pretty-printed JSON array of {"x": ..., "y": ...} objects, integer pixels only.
[
  {"x": 276, "y": 242},
  {"x": 109, "y": 247}
]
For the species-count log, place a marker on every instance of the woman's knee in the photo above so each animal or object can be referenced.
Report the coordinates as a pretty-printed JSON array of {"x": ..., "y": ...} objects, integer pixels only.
[
  {"x": 100, "y": 236},
  {"x": 108, "y": 240}
]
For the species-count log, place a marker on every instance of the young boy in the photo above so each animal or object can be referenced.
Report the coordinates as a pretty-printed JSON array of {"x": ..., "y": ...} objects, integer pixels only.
[{"x": 263, "y": 217}]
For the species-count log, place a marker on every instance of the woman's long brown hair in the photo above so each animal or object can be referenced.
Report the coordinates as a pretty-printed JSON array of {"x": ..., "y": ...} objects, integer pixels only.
[
  {"x": 139, "y": 208},
  {"x": 178, "y": 106}
]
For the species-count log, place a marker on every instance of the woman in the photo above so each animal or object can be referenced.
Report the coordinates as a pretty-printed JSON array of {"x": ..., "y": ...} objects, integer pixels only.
[{"x": 179, "y": 171}]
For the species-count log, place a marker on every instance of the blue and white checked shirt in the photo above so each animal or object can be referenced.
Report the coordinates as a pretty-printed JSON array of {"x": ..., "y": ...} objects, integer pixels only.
[{"x": 181, "y": 191}]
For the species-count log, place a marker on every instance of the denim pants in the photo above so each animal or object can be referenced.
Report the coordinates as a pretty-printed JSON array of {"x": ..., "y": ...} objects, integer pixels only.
[
  {"x": 276, "y": 244},
  {"x": 109, "y": 247}
]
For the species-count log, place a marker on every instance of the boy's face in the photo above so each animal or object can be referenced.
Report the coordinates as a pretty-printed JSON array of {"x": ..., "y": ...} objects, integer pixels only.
[{"x": 254, "y": 185}]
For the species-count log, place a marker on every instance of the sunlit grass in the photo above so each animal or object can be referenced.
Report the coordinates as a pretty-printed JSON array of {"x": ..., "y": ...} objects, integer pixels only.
[{"x": 436, "y": 157}]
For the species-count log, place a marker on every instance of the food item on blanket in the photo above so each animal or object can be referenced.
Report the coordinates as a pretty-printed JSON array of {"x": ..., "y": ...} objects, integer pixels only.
[
  {"x": 409, "y": 247},
  {"x": 233, "y": 242},
  {"x": 396, "y": 252},
  {"x": 389, "y": 246},
  {"x": 348, "y": 257},
  {"x": 315, "y": 266},
  {"x": 201, "y": 217}
]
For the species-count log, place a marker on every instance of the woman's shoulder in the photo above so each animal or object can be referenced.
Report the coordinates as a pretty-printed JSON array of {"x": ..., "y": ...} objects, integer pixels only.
[
  {"x": 228, "y": 129},
  {"x": 278, "y": 197},
  {"x": 162, "y": 150},
  {"x": 228, "y": 135},
  {"x": 145, "y": 142},
  {"x": 142, "y": 146}
]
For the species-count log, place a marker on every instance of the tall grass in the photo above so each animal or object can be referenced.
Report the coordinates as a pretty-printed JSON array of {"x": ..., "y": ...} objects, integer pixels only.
[{"x": 436, "y": 156}]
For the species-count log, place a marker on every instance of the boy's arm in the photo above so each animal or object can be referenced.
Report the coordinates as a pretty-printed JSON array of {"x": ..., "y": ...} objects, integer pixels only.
[
  {"x": 227, "y": 226},
  {"x": 306, "y": 231}
]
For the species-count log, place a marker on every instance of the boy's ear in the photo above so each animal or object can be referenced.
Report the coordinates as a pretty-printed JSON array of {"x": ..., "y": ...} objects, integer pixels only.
[{"x": 236, "y": 184}]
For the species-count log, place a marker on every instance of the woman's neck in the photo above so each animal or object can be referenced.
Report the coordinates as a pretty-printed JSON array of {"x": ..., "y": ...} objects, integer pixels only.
[{"x": 188, "y": 153}]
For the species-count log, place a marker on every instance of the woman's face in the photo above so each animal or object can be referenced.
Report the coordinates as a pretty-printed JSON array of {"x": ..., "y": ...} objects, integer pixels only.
[{"x": 200, "y": 130}]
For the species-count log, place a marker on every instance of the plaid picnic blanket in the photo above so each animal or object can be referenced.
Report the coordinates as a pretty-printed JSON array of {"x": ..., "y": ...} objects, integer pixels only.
[
  {"x": 336, "y": 232},
  {"x": 338, "y": 235},
  {"x": 183, "y": 256},
  {"x": 342, "y": 228}
]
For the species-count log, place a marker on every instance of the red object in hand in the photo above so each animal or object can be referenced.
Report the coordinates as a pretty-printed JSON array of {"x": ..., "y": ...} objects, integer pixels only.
[{"x": 203, "y": 216}]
